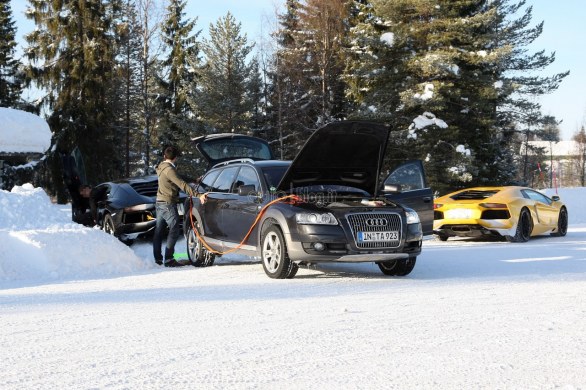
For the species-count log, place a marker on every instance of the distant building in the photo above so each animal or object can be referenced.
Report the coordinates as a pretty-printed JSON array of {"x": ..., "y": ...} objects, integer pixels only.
[
  {"x": 24, "y": 139},
  {"x": 562, "y": 162}
]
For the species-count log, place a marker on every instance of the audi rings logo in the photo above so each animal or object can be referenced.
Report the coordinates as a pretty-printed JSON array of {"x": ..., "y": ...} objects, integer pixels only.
[{"x": 376, "y": 222}]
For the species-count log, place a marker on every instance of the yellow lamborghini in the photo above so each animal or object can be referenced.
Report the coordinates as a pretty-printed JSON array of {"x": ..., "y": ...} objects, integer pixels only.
[{"x": 516, "y": 213}]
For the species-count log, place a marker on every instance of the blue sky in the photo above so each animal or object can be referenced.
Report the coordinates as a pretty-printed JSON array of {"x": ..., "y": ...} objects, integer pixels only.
[{"x": 564, "y": 32}]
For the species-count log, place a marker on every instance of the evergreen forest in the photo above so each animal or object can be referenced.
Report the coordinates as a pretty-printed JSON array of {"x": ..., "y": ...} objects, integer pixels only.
[{"x": 121, "y": 79}]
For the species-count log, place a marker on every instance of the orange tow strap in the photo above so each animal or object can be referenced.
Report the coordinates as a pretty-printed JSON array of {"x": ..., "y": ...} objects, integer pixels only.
[{"x": 294, "y": 198}]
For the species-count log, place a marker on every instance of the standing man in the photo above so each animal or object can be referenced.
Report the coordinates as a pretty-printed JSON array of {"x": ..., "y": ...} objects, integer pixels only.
[{"x": 167, "y": 198}]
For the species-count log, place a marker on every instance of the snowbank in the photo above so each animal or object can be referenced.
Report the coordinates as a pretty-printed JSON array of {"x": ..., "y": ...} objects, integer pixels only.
[
  {"x": 40, "y": 242},
  {"x": 23, "y": 132}
]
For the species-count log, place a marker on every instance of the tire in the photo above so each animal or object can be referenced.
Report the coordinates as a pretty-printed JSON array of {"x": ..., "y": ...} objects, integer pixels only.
[
  {"x": 198, "y": 255},
  {"x": 442, "y": 237},
  {"x": 562, "y": 223},
  {"x": 275, "y": 259},
  {"x": 524, "y": 228},
  {"x": 397, "y": 267},
  {"x": 108, "y": 225}
]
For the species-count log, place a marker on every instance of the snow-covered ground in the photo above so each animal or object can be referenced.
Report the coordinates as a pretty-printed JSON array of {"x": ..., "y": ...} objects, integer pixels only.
[{"x": 78, "y": 309}]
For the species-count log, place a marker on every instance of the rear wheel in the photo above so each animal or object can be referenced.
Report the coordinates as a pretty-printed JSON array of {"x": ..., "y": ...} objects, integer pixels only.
[
  {"x": 524, "y": 228},
  {"x": 401, "y": 267},
  {"x": 442, "y": 237},
  {"x": 198, "y": 255},
  {"x": 562, "y": 223},
  {"x": 275, "y": 259}
]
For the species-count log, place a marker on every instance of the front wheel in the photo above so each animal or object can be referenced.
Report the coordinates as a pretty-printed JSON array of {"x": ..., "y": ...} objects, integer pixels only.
[
  {"x": 401, "y": 267},
  {"x": 275, "y": 259},
  {"x": 198, "y": 255},
  {"x": 109, "y": 225}
]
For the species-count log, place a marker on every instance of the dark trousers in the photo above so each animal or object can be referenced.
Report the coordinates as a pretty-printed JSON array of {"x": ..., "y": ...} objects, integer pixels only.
[{"x": 167, "y": 215}]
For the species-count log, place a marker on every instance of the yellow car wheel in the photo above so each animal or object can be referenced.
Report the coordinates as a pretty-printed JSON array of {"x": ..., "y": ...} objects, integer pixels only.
[{"x": 524, "y": 228}]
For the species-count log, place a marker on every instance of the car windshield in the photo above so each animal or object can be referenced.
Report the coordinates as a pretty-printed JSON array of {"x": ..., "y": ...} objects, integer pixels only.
[
  {"x": 474, "y": 194},
  {"x": 273, "y": 175}
]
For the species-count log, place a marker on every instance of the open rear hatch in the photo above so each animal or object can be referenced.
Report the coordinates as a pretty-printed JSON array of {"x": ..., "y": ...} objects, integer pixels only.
[{"x": 217, "y": 148}]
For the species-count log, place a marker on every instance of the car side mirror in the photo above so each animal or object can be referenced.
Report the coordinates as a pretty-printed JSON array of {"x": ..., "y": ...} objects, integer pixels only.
[
  {"x": 246, "y": 190},
  {"x": 392, "y": 188},
  {"x": 555, "y": 198}
]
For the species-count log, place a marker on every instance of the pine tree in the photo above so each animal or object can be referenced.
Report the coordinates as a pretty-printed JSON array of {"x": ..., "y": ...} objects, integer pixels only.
[
  {"x": 130, "y": 113},
  {"x": 289, "y": 99},
  {"x": 182, "y": 46},
  {"x": 322, "y": 35},
  {"x": 72, "y": 58},
  {"x": 580, "y": 139},
  {"x": 258, "y": 120},
  {"x": 451, "y": 63},
  {"x": 10, "y": 77},
  {"x": 307, "y": 89},
  {"x": 222, "y": 100}
]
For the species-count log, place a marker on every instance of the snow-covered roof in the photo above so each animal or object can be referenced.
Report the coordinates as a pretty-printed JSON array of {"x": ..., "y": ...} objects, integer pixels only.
[
  {"x": 23, "y": 132},
  {"x": 560, "y": 148}
]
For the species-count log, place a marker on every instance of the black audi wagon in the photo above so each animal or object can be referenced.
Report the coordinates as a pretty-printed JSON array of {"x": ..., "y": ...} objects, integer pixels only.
[{"x": 328, "y": 204}]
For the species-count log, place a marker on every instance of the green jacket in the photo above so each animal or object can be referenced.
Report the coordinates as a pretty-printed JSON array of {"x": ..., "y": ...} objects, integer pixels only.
[{"x": 170, "y": 183}]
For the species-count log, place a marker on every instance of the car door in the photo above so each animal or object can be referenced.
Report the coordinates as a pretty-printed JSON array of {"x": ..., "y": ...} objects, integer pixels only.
[
  {"x": 218, "y": 194},
  {"x": 240, "y": 211},
  {"x": 414, "y": 191},
  {"x": 547, "y": 215}
]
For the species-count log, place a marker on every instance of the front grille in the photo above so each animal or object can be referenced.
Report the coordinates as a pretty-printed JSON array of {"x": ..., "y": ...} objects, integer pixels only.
[
  {"x": 146, "y": 188},
  {"x": 359, "y": 223}
]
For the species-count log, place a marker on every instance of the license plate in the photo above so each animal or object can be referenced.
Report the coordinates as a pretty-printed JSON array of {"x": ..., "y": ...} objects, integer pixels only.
[
  {"x": 458, "y": 214},
  {"x": 378, "y": 236}
]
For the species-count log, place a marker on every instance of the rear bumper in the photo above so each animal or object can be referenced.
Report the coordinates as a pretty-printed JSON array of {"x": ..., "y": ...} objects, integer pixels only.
[{"x": 476, "y": 228}]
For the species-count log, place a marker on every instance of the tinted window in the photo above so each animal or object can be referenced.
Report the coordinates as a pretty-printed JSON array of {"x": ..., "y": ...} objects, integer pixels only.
[
  {"x": 247, "y": 176},
  {"x": 409, "y": 176},
  {"x": 273, "y": 175},
  {"x": 208, "y": 180},
  {"x": 232, "y": 148},
  {"x": 224, "y": 181},
  {"x": 539, "y": 197}
]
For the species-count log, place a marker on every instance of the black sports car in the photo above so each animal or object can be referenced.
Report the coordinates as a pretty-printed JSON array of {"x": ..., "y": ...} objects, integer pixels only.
[
  {"x": 326, "y": 205},
  {"x": 125, "y": 208}
]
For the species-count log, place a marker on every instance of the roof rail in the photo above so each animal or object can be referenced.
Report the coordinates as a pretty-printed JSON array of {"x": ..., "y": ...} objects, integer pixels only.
[{"x": 240, "y": 160}]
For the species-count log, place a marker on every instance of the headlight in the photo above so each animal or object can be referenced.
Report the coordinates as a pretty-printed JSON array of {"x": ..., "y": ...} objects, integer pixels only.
[
  {"x": 412, "y": 216},
  {"x": 316, "y": 219}
]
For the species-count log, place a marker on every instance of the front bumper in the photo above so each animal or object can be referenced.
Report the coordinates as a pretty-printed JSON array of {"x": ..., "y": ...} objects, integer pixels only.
[{"x": 339, "y": 246}]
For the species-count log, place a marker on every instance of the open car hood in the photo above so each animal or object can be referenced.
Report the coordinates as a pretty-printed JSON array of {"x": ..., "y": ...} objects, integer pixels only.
[
  {"x": 217, "y": 148},
  {"x": 348, "y": 153}
]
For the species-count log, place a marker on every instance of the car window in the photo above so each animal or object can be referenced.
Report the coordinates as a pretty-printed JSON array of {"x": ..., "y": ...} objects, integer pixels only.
[
  {"x": 246, "y": 177},
  {"x": 232, "y": 148},
  {"x": 537, "y": 196},
  {"x": 409, "y": 176},
  {"x": 224, "y": 181},
  {"x": 207, "y": 181}
]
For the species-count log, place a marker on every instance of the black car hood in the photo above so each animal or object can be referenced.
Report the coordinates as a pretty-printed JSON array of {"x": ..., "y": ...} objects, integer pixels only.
[
  {"x": 348, "y": 153},
  {"x": 217, "y": 148}
]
